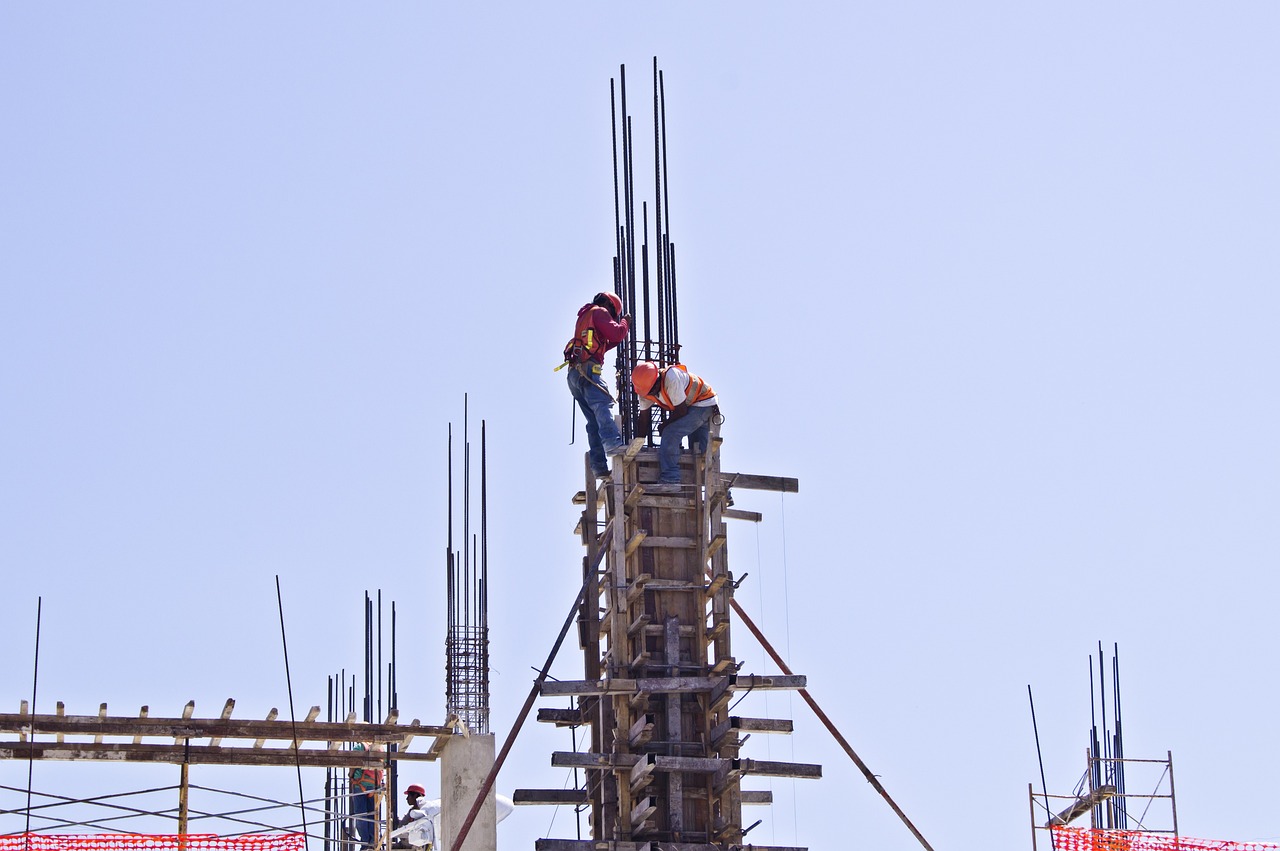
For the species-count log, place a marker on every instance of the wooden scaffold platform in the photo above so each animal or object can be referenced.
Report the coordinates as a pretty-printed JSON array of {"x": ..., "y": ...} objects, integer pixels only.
[{"x": 664, "y": 763}]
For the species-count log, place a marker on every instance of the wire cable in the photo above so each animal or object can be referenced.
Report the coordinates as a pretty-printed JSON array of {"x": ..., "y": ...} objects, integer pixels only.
[
  {"x": 31, "y": 738},
  {"x": 293, "y": 719}
]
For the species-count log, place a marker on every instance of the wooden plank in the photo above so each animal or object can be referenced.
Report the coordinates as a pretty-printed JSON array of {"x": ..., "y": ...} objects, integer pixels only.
[
  {"x": 227, "y": 708},
  {"x": 656, "y": 629},
  {"x": 690, "y": 764},
  {"x": 636, "y": 589},
  {"x": 763, "y": 725},
  {"x": 761, "y": 483},
  {"x": 771, "y": 682},
  {"x": 641, "y": 731},
  {"x": 102, "y": 713},
  {"x": 526, "y": 797},
  {"x": 633, "y": 449},
  {"x": 1082, "y": 805},
  {"x": 739, "y": 514},
  {"x": 748, "y": 725},
  {"x": 599, "y": 845},
  {"x": 714, "y": 547},
  {"x": 561, "y": 717},
  {"x": 657, "y": 685},
  {"x": 675, "y": 543},
  {"x": 638, "y": 625},
  {"x": 756, "y": 797},
  {"x": 200, "y": 755},
  {"x": 578, "y": 759},
  {"x": 200, "y": 728},
  {"x": 763, "y": 768},
  {"x": 641, "y": 812},
  {"x": 636, "y": 540},
  {"x": 639, "y": 701},
  {"x": 62, "y": 710},
  {"x": 271, "y": 716}
]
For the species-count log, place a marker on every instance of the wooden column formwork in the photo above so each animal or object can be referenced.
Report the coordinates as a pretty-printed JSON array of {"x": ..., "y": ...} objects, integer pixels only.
[{"x": 659, "y": 671}]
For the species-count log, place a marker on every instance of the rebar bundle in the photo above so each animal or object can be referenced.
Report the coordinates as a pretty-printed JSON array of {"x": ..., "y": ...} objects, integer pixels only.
[
  {"x": 656, "y": 310},
  {"x": 467, "y": 579}
]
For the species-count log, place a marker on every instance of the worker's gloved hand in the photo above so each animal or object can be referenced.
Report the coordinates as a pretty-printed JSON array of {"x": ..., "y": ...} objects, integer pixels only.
[
  {"x": 641, "y": 425},
  {"x": 626, "y": 317}
]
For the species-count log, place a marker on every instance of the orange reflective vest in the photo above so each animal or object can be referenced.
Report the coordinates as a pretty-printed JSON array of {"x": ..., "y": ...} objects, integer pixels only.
[{"x": 698, "y": 390}]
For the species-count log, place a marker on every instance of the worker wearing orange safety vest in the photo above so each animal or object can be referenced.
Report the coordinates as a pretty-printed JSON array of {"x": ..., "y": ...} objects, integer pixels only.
[
  {"x": 599, "y": 328},
  {"x": 692, "y": 404}
]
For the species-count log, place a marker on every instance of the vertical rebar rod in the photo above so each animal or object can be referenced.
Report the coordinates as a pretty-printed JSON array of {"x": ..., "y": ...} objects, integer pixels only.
[
  {"x": 666, "y": 210},
  {"x": 657, "y": 188},
  {"x": 1043, "y": 783},
  {"x": 393, "y": 684},
  {"x": 466, "y": 512},
  {"x": 380, "y": 716},
  {"x": 450, "y": 591},
  {"x": 1106, "y": 742},
  {"x": 31, "y": 740},
  {"x": 1122, "y": 807}
]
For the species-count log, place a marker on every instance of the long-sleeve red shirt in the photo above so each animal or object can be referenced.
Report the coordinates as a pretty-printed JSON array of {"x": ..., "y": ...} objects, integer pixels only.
[{"x": 607, "y": 331}]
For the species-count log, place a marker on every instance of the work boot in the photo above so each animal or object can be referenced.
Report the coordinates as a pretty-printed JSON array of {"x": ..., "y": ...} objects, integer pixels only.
[
  {"x": 664, "y": 488},
  {"x": 616, "y": 450}
]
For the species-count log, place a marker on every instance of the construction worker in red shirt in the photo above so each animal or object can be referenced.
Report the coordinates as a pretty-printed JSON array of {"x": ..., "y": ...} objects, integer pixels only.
[
  {"x": 365, "y": 784},
  {"x": 600, "y": 327},
  {"x": 692, "y": 404}
]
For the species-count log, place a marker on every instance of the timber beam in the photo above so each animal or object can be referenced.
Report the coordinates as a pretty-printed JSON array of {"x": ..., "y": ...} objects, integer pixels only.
[
  {"x": 556, "y": 797},
  {"x": 206, "y": 755},
  {"x": 214, "y": 728},
  {"x": 668, "y": 685}
]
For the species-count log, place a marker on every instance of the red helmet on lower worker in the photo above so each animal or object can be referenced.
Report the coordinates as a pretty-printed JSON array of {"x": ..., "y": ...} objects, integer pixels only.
[
  {"x": 611, "y": 301},
  {"x": 644, "y": 377},
  {"x": 415, "y": 789}
]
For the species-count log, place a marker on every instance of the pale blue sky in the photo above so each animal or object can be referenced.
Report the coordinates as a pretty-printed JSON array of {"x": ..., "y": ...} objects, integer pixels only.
[{"x": 995, "y": 281}]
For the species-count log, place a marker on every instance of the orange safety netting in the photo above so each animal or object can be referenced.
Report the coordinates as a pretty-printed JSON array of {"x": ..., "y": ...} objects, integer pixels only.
[
  {"x": 1082, "y": 839},
  {"x": 151, "y": 842}
]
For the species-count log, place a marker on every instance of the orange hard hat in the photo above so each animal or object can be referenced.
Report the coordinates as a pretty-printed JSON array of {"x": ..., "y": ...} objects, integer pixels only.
[
  {"x": 415, "y": 789},
  {"x": 609, "y": 300},
  {"x": 644, "y": 376}
]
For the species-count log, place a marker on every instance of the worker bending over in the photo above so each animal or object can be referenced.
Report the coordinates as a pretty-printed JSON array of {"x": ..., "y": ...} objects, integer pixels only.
[
  {"x": 692, "y": 404},
  {"x": 600, "y": 327}
]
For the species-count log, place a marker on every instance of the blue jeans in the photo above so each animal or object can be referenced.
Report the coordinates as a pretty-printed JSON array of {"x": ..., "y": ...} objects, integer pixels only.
[
  {"x": 696, "y": 425},
  {"x": 596, "y": 404},
  {"x": 362, "y": 815}
]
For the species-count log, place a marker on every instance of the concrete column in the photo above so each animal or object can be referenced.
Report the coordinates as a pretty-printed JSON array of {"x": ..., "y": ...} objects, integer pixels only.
[{"x": 464, "y": 765}]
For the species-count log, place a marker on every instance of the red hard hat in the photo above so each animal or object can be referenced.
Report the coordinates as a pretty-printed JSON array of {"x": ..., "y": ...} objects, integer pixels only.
[
  {"x": 612, "y": 299},
  {"x": 644, "y": 376},
  {"x": 415, "y": 789}
]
